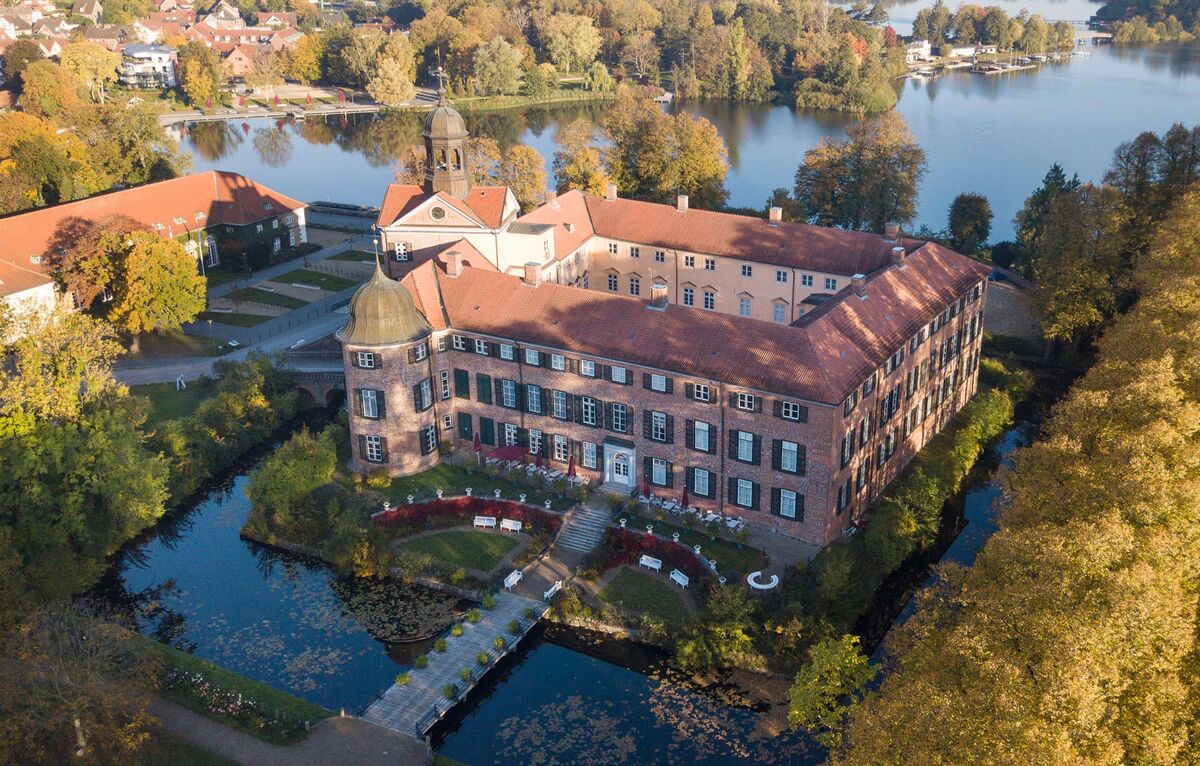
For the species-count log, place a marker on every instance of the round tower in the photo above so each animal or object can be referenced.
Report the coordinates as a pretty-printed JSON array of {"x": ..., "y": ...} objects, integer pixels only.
[
  {"x": 446, "y": 167},
  {"x": 389, "y": 382}
]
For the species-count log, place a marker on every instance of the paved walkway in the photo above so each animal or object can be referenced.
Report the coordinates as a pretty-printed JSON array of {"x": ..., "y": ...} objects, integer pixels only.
[
  {"x": 414, "y": 708},
  {"x": 332, "y": 742}
]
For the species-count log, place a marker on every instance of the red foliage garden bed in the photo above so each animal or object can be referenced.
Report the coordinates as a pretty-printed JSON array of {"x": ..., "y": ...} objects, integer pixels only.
[
  {"x": 452, "y": 512},
  {"x": 624, "y": 546}
]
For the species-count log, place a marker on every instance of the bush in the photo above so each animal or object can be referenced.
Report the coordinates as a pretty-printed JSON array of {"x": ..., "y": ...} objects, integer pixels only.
[
  {"x": 378, "y": 478},
  {"x": 482, "y": 658},
  {"x": 614, "y": 502},
  {"x": 451, "y": 512},
  {"x": 465, "y": 674},
  {"x": 499, "y": 643},
  {"x": 421, "y": 662},
  {"x": 514, "y": 627},
  {"x": 439, "y": 646},
  {"x": 458, "y": 576},
  {"x": 403, "y": 678},
  {"x": 473, "y": 616},
  {"x": 450, "y": 691},
  {"x": 456, "y": 630},
  {"x": 489, "y": 601},
  {"x": 529, "y": 613}
]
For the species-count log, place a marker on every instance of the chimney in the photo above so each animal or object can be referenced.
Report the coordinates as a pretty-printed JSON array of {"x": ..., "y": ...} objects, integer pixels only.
[
  {"x": 658, "y": 295},
  {"x": 681, "y": 203},
  {"x": 774, "y": 216},
  {"x": 898, "y": 256},
  {"x": 453, "y": 263},
  {"x": 552, "y": 198},
  {"x": 610, "y": 192},
  {"x": 891, "y": 232},
  {"x": 858, "y": 283},
  {"x": 533, "y": 273}
]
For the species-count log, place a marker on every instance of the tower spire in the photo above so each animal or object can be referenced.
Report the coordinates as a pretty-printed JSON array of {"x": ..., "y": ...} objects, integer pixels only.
[{"x": 441, "y": 91}]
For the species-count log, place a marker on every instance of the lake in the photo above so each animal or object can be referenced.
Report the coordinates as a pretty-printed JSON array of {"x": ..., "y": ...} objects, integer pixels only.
[{"x": 995, "y": 135}]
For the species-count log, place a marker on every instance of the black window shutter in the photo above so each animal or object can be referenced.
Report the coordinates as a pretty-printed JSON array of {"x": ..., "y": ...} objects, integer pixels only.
[
  {"x": 465, "y": 430},
  {"x": 645, "y": 380},
  {"x": 577, "y": 406},
  {"x": 689, "y": 390},
  {"x": 382, "y": 399},
  {"x": 799, "y": 507},
  {"x": 670, "y": 429},
  {"x": 606, "y": 372},
  {"x": 733, "y": 444},
  {"x": 777, "y": 406},
  {"x": 801, "y": 460},
  {"x": 689, "y": 428},
  {"x": 607, "y": 414},
  {"x": 754, "y": 496},
  {"x": 670, "y": 385},
  {"x": 383, "y": 448},
  {"x": 776, "y": 502},
  {"x": 803, "y": 414},
  {"x": 732, "y": 486},
  {"x": 733, "y": 400},
  {"x": 487, "y": 431},
  {"x": 646, "y": 424},
  {"x": 416, "y": 391},
  {"x": 483, "y": 387},
  {"x": 757, "y": 454},
  {"x": 494, "y": 349},
  {"x": 777, "y": 455},
  {"x": 358, "y": 409},
  {"x": 412, "y": 355},
  {"x": 362, "y": 446},
  {"x": 670, "y": 475},
  {"x": 689, "y": 479},
  {"x": 443, "y": 343},
  {"x": 522, "y": 392},
  {"x": 462, "y": 384},
  {"x": 758, "y": 400},
  {"x": 499, "y": 391},
  {"x": 647, "y": 468},
  {"x": 523, "y": 437}
]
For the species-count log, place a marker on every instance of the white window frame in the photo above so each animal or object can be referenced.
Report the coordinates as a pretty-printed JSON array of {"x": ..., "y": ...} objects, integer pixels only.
[
  {"x": 559, "y": 403},
  {"x": 612, "y": 283},
  {"x": 689, "y": 261},
  {"x": 744, "y": 307},
  {"x": 710, "y": 300},
  {"x": 429, "y": 438},
  {"x": 420, "y": 352},
  {"x": 373, "y": 447},
  {"x": 660, "y": 256},
  {"x": 635, "y": 286},
  {"x": 744, "y": 493},
  {"x": 620, "y": 418},
  {"x": 781, "y": 276},
  {"x": 700, "y": 428},
  {"x": 635, "y": 251},
  {"x": 587, "y": 411},
  {"x": 366, "y": 360},
  {"x": 459, "y": 342},
  {"x": 510, "y": 435},
  {"x": 787, "y": 498},
  {"x": 701, "y": 392},
  {"x": 658, "y": 472},
  {"x": 746, "y": 401},
  {"x": 369, "y": 403},
  {"x": 508, "y": 393},
  {"x": 710, "y": 264},
  {"x": 535, "y": 441},
  {"x": 507, "y": 351},
  {"x": 689, "y": 296},
  {"x": 558, "y": 362},
  {"x": 612, "y": 248},
  {"x": 745, "y": 446},
  {"x": 658, "y": 382},
  {"x": 481, "y": 347},
  {"x": 790, "y": 410},
  {"x": 561, "y": 448},
  {"x": 779, "y": 313},
  {"x": 806, "y": 280},
  {"x": 747, "y": 270},
  {"x": 532, "y": 356},
  {"x": 425, "y": 394},
  {"x": 533, "y": 399},
  {"x": 444, "y": 384},
  {"x": 702, "y": 481},
  {"x": 789, "y": 457},
  {"x": 658, "y": 426},
  {"x": 587, "y": 368},
  {"x": 619, "y": 374},
  {"x": 831, "y": 283},
  {"x": 590, "y": 455}
]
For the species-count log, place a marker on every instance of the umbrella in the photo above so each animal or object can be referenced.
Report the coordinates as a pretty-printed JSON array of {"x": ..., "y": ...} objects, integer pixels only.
[
  {"x": 646, "y": 486},
  {"x": 538, "y": 462},
  {"x": 571, "y": 468},
  {"x": 684, "y": 500},
  {"x": 476, "y": 445}
]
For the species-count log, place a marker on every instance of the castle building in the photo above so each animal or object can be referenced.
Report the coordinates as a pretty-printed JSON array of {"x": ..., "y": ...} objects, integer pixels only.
[{"x": 780, "y": 372}]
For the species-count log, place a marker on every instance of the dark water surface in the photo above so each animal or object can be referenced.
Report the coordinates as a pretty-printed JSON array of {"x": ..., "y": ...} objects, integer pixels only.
[{"x": 995, "y": 135}]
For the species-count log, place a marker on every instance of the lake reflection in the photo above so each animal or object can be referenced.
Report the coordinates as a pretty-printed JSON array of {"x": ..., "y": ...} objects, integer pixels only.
[{"x": 995, "y": 135}]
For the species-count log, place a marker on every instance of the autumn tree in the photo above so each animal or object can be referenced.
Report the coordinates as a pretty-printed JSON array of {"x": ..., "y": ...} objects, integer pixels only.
[
  {"x": 199, "y": 72},
  {"x": 289, "y": 474},
  {"x": 267, "y": 68},
  {"x": 825, "y": 689},
  {"x": 970, "y": 221},
  {"x": 498, "y": 68},
  {"x": 868, "y": 180},
  {"x": 305, "y": 60},
  {"x": 598, "y": 80},
  {"x": 577, "y": 161},
  {"x": 48, "y": 90},
  {"x": 93, "y": 65},
  {"x": 571, "y": 41},
  {"x": 391, "y": 84},
  {"x": 19, "y": 55},
  {"x": 83, "y": 258}
]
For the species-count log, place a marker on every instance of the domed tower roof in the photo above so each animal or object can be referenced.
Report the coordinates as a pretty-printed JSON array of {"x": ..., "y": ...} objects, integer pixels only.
[
  {"x": 446, "y": 166},
  {"x": 383, "y": 313},
  {"x": 443, "y": 121}
]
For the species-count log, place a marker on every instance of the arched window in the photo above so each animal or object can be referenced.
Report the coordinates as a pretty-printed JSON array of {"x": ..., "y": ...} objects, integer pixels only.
[
  {"x": 457, "y": 164},
  {"x": 211, "y": 256},
  {"x": 441, "y": 159}
]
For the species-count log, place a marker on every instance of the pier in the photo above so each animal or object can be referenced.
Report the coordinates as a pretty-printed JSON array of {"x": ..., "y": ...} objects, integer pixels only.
[{"x": 414, "y": 708}]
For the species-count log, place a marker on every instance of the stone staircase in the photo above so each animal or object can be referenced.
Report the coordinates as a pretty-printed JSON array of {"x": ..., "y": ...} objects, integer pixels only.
[{"x": 583, "y": 529}]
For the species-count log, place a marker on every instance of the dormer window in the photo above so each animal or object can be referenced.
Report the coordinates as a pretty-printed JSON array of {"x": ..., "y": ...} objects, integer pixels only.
[{"x": 268, "y": 206}]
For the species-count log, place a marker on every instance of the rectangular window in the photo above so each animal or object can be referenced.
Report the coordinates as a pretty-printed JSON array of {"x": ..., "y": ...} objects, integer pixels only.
[
  {"x": 423, "y": 395},
  {"x": 780, "y": 313},
  {"x": 702, "y": 482},
  {"x": 559, "y": 399},
  {"x": 366, "y": 360},
  {"x": 481, "y": 347},
  {"x": 507, "y": 351},
  {"x": 444, "y": 382},
  {"x": 745, "y": 493},
  {"x": 850, "y": 403},
  {"x": 806, "y": 280},
  {"x": 587, "y": 410},
  {"x": 702, "y": 393},
  {"x": 793, "y": 411},
  {"x": 744, "y": 307},
  {"x": 533, "y": 398},
  {"x": 428, "y": 439},
  {"x": 589, "y": 455},
  {"x": 420, "y": 352},
  {"x": 510, "y": 435},
  {"x": 701, "y": 436},
  {"x": 635, "y": 251},
  {"x": 619, "y": 374},
  {"x": 710, "y": 300},
  {"x": 789, "y": 457},
  {"x": 830, "y": 283},
  {"x": 661, "y": 257},
  {"x": 710, "y": 264},
  {"x": 788, "y": 507},
  {"x": 745, "y": 446},
  {"x": 374, "y": 448},
  {"x": 620, "y": 418},
  {"x": 508, "y": 394},
  {"x": 689, "y": 261},
  {"x": 658, "y": 472},
  {"x": 612, "y": 248},
  {"x": 533, "y": 356},
  {"x": 689, "y": 296},
  {"x": 369, "y": 403},
  {"x": 535, "y": 441},
  {"x": 847, "y": 448},
  {"x": 748, "y": 402},
  {"x": 658, "y": 426},
  {"x": 561, "y": 448},
  {"x": 843, "y": 495},
  {"x": 747, "y": 270},
  {"x": 483, "y": 387},
  {"x": 587, "y": 368},
  {"x": 635, "y": 286},
  {"x": 612, "y": 283},
  {"x": 658, "y": 383},
  {"x": 460, "y": 343},
  {"x": 868, "y": 386},
  {"x": 558, "y": 362},
  {"x": 781, "y": 276}
]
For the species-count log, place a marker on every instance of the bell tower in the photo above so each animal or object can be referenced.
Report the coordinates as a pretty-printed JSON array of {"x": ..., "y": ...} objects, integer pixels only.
[{"x": 446, "y": 136}]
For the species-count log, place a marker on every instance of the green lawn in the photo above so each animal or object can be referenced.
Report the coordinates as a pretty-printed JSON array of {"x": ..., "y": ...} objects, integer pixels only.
[
  {"x": 219, "y": 276},
  {"x": 330, "y": 282},
  {"x": 464, "y": 548},
  {"x": 168, "y": 404},
  {"x": 637, "y": 592},
  {"x": 166, "y": 748},
  {"x": 259, "y": 295},
  {"x": 454, "y": 479},
  {"x": 730, "y": 555},
  {"x": 233, "y": 318},
  {"x": 353, "y": 256}
]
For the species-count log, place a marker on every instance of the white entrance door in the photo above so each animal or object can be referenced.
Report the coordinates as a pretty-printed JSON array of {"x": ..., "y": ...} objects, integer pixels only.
[{"x": 618, "y": 466}]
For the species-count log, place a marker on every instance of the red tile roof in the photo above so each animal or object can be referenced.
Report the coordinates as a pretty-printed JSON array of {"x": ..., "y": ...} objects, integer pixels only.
[
  {"x": 469, "y": 256},
  {"x": 485, "y": 203},
  {"x": 15, "y": 278},
  {"x": 569, "y": 216},
  {"x": 820, "y": 359},
  {"x": 797, "y": 245},
  {"x": 180, "y": 205}
]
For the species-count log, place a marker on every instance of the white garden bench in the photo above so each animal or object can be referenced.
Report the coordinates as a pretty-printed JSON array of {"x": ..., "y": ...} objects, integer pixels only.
[
  {"x": 555, "y": 588},
  {"x": 485, "y": 521},
  {"x": 650, "y": 563},
  {"x": 679, "y": 577},
  {"x": 510, "y": 525},
  {"x": 512, "y": 579}
]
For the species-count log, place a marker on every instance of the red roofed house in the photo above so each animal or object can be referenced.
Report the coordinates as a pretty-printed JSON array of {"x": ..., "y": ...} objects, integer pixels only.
[
  {"x": 777, "y": 372},
  {"x": 238, "y": 61},
  {"x": 215, "y": 214}
]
